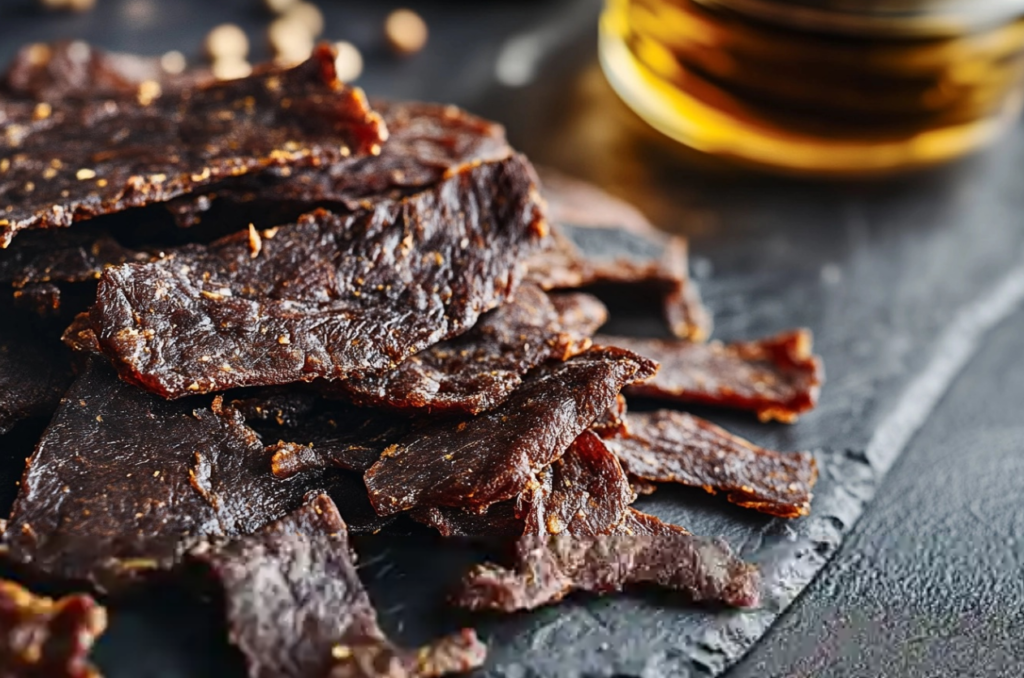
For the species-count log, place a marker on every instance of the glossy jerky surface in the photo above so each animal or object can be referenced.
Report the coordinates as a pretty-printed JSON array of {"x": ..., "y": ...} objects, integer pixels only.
[
  {"x": 331, "y": 296},
  {"x": 296, "y": 608},
  {"x": 141, "y": 152},
  {"x": 674, "y": 447},
  {"x": 44, "y": 638},
  {"x": 34, "y": 370},
  {"x": 476, "y": 371},
  {"x": 122, "y": 480},
  {"x": 777, "y": 377},
  {"x": 475, "y": 462}
]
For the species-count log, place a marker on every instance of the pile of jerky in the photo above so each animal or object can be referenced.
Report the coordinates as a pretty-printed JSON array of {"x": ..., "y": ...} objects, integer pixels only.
[{"x": 265, "y": 314}]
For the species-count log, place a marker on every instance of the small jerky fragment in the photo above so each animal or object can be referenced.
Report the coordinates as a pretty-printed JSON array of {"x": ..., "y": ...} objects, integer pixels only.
[
  {"x": 34, "y": 371},
  {"x": 777, "y": 377},
  {"x": 426, "y": 143},
  {"x": 674, "y": 447},
  {"x": 477, "y": 371},
  {"x": 475, "y": 462},
  {"x": 500, "y": 520},
  {"x": 79, "y": 336},
  {"x": 640, "y": 523},
  {"x": 548, "y": 567},
  {"x": 44, "y": 638},
  {"x": 331, "y": 296},
  {"x": 296, "y": 608},
  {"x": 613, "y": 422},
  {"x": 584, "y": 493},
  {"x": 137, "y": 153},
  {"x": 122, "y": 480}
]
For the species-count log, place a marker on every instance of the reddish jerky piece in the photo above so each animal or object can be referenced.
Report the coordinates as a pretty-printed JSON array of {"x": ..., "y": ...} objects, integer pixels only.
[
  {"x": 331, "y": 296},
  {"x": 613, "y": 422},
  {"x": 122, "y": 480},
  {"x": 79, "y": 336},
  {"x": 639, "y": 523},
  {"x": 475, "y": 462},
  {"x": 44, "y": 638},
  {"x": 296, "y": 608},
  {"x": 86, "y": 158},
  {"x": 426, "y": 143},
  {"x": 34, "y": 371},
  {"x": 477, "y": 371},
  {"x": 551, "y": 566},
  {"x": 669, "y": 447},
  {"x": 777, "y": 377}
]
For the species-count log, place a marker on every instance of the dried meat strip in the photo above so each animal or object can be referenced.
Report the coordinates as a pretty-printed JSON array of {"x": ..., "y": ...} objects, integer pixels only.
[
  {"x": 34, "y": 371},
  {"x": 426, "y": 143},
  {"x": 331, "y": 296},
  {"x": 474, "y": 462},
  {"x": 549, "y": 567},
  {"x": 122, "y": 480},
  {"x": 296, "y": 608},
  {"x": 639, "y": 523},
  {"x": 477, "y": 371},
  {"x": 674, "y": 447},
  {"x": 777, "y": 377},
  {"x": 141, "y": 152},
  {"x": 44, "y": 638}
]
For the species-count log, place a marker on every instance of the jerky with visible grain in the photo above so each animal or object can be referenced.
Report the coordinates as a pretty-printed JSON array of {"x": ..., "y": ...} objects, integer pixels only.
[
  {"x": 142, "y": 152},
  {"x": 45, "y": 638},
  {"x": 478, "y": 370},
  {"x": 474, "y": 462},
  {"x": 332, "y": 296},
  {"x": 296, "y": 608},
  {"x": 778, "y": 377},
  {"x": 674, "y": 447}
]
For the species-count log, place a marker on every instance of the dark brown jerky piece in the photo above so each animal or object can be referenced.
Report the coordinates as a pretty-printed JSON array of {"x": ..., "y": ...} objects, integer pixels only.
[
  {"x": 426, "y": 143},
  {"x": 499, "y": 520},
  {"x": 122, "y": 480},
  {"x": 296, "y": 608},
  {"x": 474, "y": 462},
  {"x": 331, "y": 296},
  {"x": 476, "y": 371},
  {"x": 551, "y": 566},
  {"x": 777, "y": 377},
  {"x": 86, "y": 158},
  {"x": 674, "y": 447},
  {"x": 77, "y": 255},
  {"x": 584, "y": 493},
  {"x": 640, "y": 523},
  {"x": 34, "y": 371},
  {"x": 76, "y": 70},
  {"x": 44, "y": 638},
  {"x": 79, "y": 336}
]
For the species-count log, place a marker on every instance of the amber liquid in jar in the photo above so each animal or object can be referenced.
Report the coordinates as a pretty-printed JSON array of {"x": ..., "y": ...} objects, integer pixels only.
[{"x": 806, "y": 98}]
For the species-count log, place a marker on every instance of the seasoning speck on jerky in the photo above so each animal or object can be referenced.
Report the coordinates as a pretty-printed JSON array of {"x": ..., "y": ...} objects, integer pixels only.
[
  {"x": 44, "y": 638},
  {"x": 777, "y": 377},
  {"x": 296, "y": 608},
  {"x": 668, "y": 446},
  {"x": 475, "y": 462},
  {"x": 476, "y": 371},
  {"x": 331, "y": 296},
  {"x": 136, "y": 153}
]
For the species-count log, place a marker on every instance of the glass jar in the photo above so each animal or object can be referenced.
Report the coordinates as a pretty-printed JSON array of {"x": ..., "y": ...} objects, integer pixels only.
[{"x": 820, "y": 86}]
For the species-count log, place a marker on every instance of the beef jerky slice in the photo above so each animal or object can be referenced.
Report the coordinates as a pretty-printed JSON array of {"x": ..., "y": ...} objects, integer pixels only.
[
  {"x": 122, "y": 480},
  {"x": 476, "y": 371},
  {"x": 44, "y": 638},
  {"x": 81, "y": 159},
  {"x": 669, "y": 447},
  {"x": 777, "y": 377},
  {"x": 426, "y": 143},
  {"x": 331, "y": 296},
  {"x": 296, "y": 608},
  {"x": 34, "y": 371},
  {"x": 551, "y": 566},
  {"x": 475, "y": 462}
]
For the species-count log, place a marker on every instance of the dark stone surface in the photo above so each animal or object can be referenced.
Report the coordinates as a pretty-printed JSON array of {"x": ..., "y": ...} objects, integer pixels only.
[{"x": 900, "y": 281}]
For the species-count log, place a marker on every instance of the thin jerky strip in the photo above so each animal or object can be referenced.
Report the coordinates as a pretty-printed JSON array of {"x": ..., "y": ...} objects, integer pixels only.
[
  {"x": 122, "y": 480},
  {"x": 475, "y": 462},
  {"x": 777, "y": 377},
  {"x": 44, "y": 638},
  {"x": 331, "y": 296},
  {"x": 673, "y": 447},
  {"x": 136, "y": 153},
  {"x": 640, "y": 523},
  {"x": 479, "y": 369},
  {"x": 296, "y": 608},
  {"x": 551, "y": 566},
  {"x": 34, "y": 372}
]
